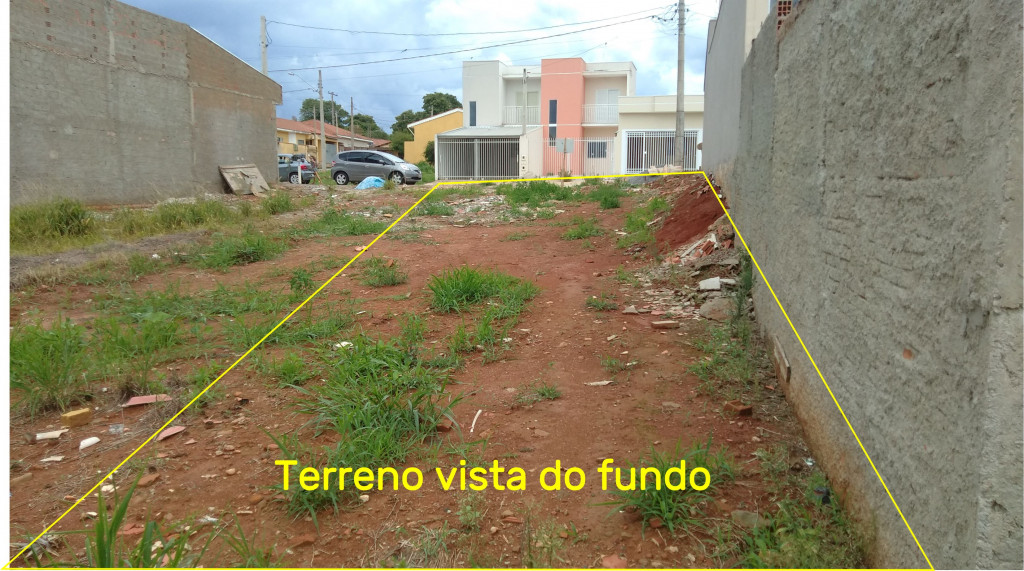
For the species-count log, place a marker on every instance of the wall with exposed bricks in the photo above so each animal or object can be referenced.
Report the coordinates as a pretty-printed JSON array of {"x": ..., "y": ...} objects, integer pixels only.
[
  {"x": 118, "y": 105},
  {"x": 878, "y": 183}
]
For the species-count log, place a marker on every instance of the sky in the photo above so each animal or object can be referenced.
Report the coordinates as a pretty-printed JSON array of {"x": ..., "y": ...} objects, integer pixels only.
[{"x": 626, "y": 31}]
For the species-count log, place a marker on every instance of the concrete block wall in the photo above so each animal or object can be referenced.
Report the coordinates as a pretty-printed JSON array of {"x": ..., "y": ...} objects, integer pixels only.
[
  {"x": 104, "y": 105},
  {"x": 879, "y": 183}
]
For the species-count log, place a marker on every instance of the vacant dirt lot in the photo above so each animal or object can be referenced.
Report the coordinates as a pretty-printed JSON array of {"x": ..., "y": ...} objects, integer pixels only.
[{"x": 529, "y": 387}]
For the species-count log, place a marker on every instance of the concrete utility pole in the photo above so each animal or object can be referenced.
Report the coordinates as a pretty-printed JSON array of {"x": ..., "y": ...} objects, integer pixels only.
[
  {"x": 320, "y": 90},
  {"x": 263, "y": 44},
  {"x": 351, "y": 121},
  {"x": 679, "y": 154},
  {"x": 334, "y": 109}
]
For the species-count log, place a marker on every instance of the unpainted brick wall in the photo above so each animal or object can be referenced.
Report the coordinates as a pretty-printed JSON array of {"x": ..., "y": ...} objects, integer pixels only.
[
  {"x": 879, "y": 182},
  {"x": 107, "y": 106}
]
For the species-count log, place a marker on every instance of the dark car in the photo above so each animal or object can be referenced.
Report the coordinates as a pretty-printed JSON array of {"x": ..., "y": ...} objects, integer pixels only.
[
  {"x": 354, "y": 166},
  {"x": 294, "y": 169}
]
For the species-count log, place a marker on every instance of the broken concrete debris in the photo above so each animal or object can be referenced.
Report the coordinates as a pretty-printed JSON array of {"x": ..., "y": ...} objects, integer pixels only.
[
  {"x": 170, "y": 432},
  {"x": 710, "y": 284},
  {"x": 717, "y": 309},
  {"x": 667, "y": 324},
  {"x": 52, "y": 435},
  {"x": 92, "y": 440}
]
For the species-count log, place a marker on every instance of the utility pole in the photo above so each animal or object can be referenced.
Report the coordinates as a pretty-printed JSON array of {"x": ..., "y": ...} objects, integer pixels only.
[
  {"x": 320, "y": 91},
  {"x": 523, "y": 118},
  {"x": 680, "y": 158},
  {"x": 334, "y": 108},
  {"x": 351, "y": 121},
  {"x": 263, "y": 44}
]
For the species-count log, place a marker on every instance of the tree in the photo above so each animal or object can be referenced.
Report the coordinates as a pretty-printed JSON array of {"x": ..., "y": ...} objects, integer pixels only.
[
  {"x": 405, "y": 117},
  {"x": 366, "y": 125},
  {"x": 428, "y": 152},
  {"x": 438, "y": 102},
  {"x": 310, "y": 109},
  {"x": 398, "y": 139}
]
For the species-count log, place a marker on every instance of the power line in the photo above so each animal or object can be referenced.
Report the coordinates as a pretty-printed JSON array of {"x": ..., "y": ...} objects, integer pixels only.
[
  {"x": 463, "y": 33},
  {"x": 464, "y": 50}
]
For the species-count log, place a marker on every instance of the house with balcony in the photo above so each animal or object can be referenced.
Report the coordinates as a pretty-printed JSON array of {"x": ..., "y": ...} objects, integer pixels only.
[{"x": 562, "y": 117}]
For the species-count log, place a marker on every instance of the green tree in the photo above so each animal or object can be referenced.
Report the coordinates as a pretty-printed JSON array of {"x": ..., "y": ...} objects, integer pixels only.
[
  {"x": 310, "y": 109},
  {"x": 367, "y": 125},
  {"x": 438, "y": 102},
  {"x": 398, "y": 139},
  {"x": 405, "y": 117},
  {"x": 428, "y": 152}
]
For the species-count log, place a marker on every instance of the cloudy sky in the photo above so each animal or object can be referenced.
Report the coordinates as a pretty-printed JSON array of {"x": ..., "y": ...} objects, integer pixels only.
[{"x": 367, "y": 32}]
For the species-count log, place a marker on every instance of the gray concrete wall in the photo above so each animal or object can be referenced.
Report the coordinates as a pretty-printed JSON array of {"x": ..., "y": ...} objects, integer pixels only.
[
  {"x": 112, "y": 104},
  {"x": 729, "y": 40},
  {"x": 878, "y": 182}
]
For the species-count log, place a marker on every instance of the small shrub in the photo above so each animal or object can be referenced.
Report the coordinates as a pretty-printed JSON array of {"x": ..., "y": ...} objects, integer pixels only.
[
  {"x": 60, "y": 218},
  {"x": 49, "y": 367},
  {"x": 301, "y": 282},
  {"x": 239, "y": 250}
]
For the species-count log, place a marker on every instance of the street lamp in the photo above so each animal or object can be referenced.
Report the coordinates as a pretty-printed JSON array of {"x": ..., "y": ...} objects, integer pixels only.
[{"x": 320, "y": 93}]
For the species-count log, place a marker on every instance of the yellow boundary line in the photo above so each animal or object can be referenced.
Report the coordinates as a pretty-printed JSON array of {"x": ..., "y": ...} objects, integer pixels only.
[{"x": 392, "y": 225}]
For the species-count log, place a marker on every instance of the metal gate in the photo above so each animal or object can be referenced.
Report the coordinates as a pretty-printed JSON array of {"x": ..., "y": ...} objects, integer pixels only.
[
  {"x": 477, "y": 158},
  {"x": 654, "y": 148},
  {"x": 589, "y": 157}
]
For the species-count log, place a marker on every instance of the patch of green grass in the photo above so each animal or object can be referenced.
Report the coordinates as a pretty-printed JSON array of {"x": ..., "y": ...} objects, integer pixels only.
[
  {"x": 49, "y": 367},
  {"x": 248, "y": 248},
  {"x": 536, "y": 192},
  {"x": 339, "y": 223},
  {"x": 582, "y": 229},
  {"x": 602, "y": 302},
  {"x": 460, "y": 288},
  {"x": 613, "y": 364},
  {"x": 291, "y": 370},
  {"x": 60, "y": 221},
  {"x": 536, "y": 392},
  {"x": 251, "y": 554},
  {"x": 638, "y": 231},
  {"x": 680, "y": 508},
  {"x": 516, "y": 236},
  {"x": 607, "y": 195},
  {"x": 383, "y": 272},
  {"x": 414, "y": 329},
  {"x": 803, "y": 533},
  {"x": 434, "y": 208},
  {"x": 622, "y": 275},
  {"x": 730, "y": 365},
  {"x": 278, "y": 203}
]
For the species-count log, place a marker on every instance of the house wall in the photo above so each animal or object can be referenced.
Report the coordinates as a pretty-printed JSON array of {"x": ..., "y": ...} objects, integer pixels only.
[
  {"x": 878, "y": 183},
  {"x": 729, "y": 41},
  {"x": 115, "y": 103},
  {"x": 424, "y": 133},
  {"x": 513, "y": 85},
  {"x": 563, "y": 82},
  {"x": 482, "y": 82},
  {"x": 654, "y": 112},
  {"x": 592, "y": 84}
]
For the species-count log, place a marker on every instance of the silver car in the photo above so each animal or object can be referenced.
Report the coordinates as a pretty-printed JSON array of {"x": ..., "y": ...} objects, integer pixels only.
[{"x": 354, "y": 166}]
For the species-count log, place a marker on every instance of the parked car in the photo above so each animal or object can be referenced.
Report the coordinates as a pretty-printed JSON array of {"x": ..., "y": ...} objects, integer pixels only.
[
  {"x": 354, "y": 166},
  {"x": 294, "y": 169}
]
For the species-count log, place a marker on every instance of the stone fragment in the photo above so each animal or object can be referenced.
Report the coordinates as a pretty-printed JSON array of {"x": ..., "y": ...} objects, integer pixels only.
[
  {"x": 147, "y": 399},
  {"x": 20, "y": 479},
  {"x": 630, "y": 310},
  {"x": 670, "y": 404},
  {"x": 710, "y": 284},
  {"x": 540, "y": 433},
  {"x": 303, "y": 541},
  {"x": 665, "y": 324},
  {"x": 88, "y": 442},
  {"x": 717, "y": 309},
  {"x": 149, "y": 480}
]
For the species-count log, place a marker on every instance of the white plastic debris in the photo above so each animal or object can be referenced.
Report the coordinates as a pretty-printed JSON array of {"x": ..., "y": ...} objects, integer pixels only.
[{"x": 88, "y": 442}]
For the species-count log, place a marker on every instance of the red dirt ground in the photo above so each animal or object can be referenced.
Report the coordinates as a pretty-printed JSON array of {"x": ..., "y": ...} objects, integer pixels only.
[
  {"x": 695, "y": 209},
  {"x": 558, "y": 340}
]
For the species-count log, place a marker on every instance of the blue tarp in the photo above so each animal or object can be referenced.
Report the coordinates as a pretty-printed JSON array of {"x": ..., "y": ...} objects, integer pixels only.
[{"x": 371, "y": 182}]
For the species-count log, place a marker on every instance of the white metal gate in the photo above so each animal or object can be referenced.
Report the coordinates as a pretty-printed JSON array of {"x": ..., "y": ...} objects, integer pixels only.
[
  {"x": 589, "y": 157},
  {"x": 477, "y": 158},
  {"x": 654, "y": 148}
]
